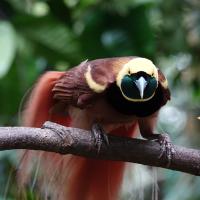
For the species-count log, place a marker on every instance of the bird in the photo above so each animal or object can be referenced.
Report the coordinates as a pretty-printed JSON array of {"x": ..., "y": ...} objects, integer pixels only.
[{"x": 117, "y": 95}]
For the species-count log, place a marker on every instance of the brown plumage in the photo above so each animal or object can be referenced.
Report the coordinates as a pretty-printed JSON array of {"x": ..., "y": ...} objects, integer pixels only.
[
  {"x": 86, "y": 94},
  {"x": 72, "y": 87}
]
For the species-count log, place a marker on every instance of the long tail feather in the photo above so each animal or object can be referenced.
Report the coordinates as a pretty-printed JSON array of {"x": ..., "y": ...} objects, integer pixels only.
[
  {"x": 41, "y": 101},
  {"x": 92, "y": 179},
  {"x": 35, "y": 114},
  {"x": 73, "y": 177}
]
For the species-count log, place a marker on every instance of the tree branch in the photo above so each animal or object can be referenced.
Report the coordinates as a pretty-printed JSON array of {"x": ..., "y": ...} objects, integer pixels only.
[{"x": 81, "y": 142}]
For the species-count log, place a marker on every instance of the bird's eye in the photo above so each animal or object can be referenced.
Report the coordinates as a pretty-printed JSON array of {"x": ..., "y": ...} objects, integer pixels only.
[{"x": 129, "y": 73}]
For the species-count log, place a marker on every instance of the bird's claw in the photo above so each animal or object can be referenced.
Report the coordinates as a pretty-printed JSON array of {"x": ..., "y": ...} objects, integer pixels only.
[
  {"x": 99, "y": 136},
  {"x": 167, "y": 148},
  {"x": 61, "y": 133}
]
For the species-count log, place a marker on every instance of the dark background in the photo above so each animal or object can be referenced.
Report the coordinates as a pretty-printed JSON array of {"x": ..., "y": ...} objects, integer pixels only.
[{"x": 36, "y": 36}]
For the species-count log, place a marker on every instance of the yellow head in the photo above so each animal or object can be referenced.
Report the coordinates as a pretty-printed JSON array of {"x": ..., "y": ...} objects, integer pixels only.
[{"x": 138, "y": 80}]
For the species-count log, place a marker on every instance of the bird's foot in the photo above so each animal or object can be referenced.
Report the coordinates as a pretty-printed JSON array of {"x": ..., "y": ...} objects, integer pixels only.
[
  {"x": 99, "y": 136},
  {"x": 166, "y": 147},
  {"x": 48, "y": 125}
]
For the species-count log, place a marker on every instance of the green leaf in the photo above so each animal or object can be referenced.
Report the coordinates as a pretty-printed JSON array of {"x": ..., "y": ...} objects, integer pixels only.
[
  {"x": 7, "y": 47},
  {"x": 44, "y": 31}
]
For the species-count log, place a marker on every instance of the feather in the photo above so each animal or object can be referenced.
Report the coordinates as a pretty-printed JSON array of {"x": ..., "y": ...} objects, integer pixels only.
[
  {"x": 83, "y": 95},
  {"x": 73, "y": 88}
]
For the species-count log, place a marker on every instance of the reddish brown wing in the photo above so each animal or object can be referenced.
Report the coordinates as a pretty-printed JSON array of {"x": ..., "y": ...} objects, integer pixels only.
[
  {"x": 164, "y": 86},
  {"x": 72, "y": 87}
]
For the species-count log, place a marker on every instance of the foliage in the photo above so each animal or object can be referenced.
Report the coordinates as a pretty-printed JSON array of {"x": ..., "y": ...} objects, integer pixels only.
[{"x": 40, "y": 35}]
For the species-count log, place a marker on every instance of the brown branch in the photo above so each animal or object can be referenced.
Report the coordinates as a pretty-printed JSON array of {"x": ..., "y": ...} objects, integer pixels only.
[{"x": 80, "y": 142}]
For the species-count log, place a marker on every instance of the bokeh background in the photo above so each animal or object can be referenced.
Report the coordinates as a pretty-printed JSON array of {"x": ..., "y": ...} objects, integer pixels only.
[{"x": 36, "y": 36}]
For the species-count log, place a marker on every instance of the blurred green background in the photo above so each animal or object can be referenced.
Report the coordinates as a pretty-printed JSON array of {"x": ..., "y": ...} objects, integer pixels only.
[{"x": 36, "y": 36}]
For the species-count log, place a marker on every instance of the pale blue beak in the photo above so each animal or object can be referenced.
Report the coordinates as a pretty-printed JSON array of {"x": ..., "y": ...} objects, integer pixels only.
[{"x": 141, "y": 84}]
